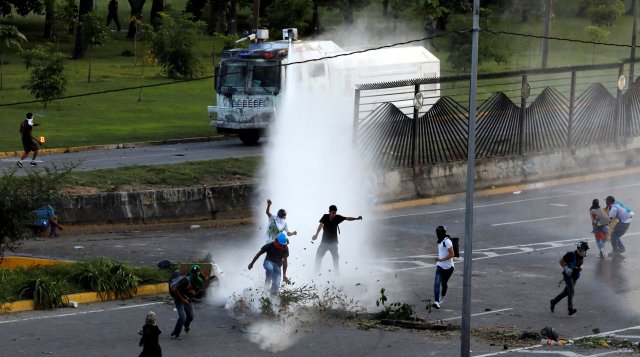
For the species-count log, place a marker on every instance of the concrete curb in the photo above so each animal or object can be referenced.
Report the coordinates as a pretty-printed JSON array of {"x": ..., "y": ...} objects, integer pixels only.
[
  {"x": 82, "y": 298},
  {"x": 65, "y": 150}
]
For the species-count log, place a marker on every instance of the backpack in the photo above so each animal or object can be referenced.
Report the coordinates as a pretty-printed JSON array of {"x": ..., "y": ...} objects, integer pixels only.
[
  {"x": 173, "y": 282},
  {"x": 627, "y": 209},
  {"x": 455, "y": 242}
]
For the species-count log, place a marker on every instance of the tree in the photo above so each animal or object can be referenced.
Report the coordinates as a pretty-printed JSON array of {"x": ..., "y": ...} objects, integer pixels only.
[
  {"x": 136, "y": 16},
  {"x": 525, "y": 9},
  {"x": 48, "y": 79},
  {"x": 289, "y": 13},
  {"x": 21, "y": 196},
  {"x": 96, "y": 33},
  {"x": 195, "y": 7},
  {"x": 491, "y": 48},
  {"x": 66, "y": 15},
  {"x": 173, "y": 46},
  {"x": 81, "y": 44},
  {"x": 49, "y": 18},
  {"x": 603, "y": 13},
  {"x": 596, "y": 34},
  {"x": 10, "y": 37},
  {"x": 157, "y": 6}
]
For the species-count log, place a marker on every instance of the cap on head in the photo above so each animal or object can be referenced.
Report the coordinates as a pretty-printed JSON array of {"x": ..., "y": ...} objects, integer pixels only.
[
  {"x": 583, "y": 245},
  {"x": 282, "y": 213},
  {"x": 282, "y": 239},
  {"x": 595, "y": 202},
  {"x": 333, "y": 208},
  {"x": 441, "y": 232},
  {"x": 29, "y": 115},
  {"x": 610, "y": 199}
]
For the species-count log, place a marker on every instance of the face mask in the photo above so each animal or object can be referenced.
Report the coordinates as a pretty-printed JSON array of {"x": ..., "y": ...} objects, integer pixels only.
[{"x": 30, "y": 121}]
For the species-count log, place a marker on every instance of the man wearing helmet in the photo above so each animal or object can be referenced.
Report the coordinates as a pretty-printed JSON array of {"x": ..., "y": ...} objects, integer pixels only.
[
  {"x": 571, "y": 264},
  {"x": 183, "y": 289},
  {"x": 444, "y": 265},
  {"x": 277, "y": 254},
  {"x": 277, "y": 224}
]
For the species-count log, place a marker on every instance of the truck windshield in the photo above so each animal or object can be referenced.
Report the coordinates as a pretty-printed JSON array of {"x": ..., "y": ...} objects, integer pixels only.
[
  {"x": 265, "y": 75},
  {"x": 233, "y": 74}
]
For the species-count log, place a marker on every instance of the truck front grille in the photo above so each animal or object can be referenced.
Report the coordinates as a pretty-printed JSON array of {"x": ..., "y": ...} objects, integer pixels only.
[{"x": 249, "y": 103}]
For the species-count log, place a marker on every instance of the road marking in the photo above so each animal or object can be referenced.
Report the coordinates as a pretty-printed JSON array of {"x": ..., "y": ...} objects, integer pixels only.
[
  {"x": 557, "y": 204},
  {"x": 509, "y": 202},
  {"x": 82, "y": 312},
  {"x": 478, "y": 314},
  {"x": 527, "y": 221}
]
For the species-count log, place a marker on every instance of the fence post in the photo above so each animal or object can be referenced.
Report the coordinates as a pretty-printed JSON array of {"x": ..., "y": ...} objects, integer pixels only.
[
  {"x": 414, "y": 129},
  {"x": 356, "y": 115},
  {"x": 572, "y": 102},
  {"x": 524, "y": 94},
  {"x": 617, "y": 113}
]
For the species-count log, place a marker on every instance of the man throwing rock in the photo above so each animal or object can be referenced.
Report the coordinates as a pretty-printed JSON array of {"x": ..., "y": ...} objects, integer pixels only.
[{"x": 329, "y": 226}]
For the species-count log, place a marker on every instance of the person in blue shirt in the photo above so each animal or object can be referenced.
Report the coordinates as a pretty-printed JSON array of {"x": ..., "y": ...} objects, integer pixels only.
[{"x": 46, "y": 218}]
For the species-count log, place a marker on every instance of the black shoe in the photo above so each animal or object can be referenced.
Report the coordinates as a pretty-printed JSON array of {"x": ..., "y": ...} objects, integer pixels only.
[
  {"x": 186, "y": 329},
  {"x": 19, "y": 164},
  {"x": 33, "y": 163},
  {"x": 552, "y": 306},
  {"x": 572, "y": 311}
]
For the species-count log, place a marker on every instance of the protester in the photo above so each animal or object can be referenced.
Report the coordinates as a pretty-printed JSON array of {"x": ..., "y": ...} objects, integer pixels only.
[
  {"x": 571, "y": 264},
  {"x": 183, "y": 289},
  {"x": 329, "y": 226},
  {"x": 600, "y": 224},
  {"x": 444, "y": 266},
  {"x": 277, "y": 254},
  {"x": 623, "y": 215},
  {"x": 46, "y": 218},
  {"x": 29, "y": 143},
  {"x": 150, "y": 337},
  {"x": 112, "y": 7},
  {"x": 277, "y": 224}
]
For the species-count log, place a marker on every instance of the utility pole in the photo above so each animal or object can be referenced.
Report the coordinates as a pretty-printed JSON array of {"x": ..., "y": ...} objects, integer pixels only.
[
  {"x": 465, "y": 333},
  {"x": 547, "y": 31},
  {"x": 256, "y": 14},
  {"x": 634, "y": 10}
]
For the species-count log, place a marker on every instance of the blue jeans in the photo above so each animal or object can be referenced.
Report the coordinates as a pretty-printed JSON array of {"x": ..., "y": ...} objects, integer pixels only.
[
  {"x": 272, "y": 275},
  {"x": 185, "y": 316},
  {"x": 322, "y": 250},
  {"x": 442, "y": 278},
  {"x": 618, "y": 231}
]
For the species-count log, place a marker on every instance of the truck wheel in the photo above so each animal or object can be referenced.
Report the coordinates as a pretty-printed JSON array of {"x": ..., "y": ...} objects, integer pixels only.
[{"x": 249, "y": 137}]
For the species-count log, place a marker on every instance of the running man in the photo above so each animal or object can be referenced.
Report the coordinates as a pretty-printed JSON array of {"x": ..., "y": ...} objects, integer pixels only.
[{"x": 29, "y": 143}]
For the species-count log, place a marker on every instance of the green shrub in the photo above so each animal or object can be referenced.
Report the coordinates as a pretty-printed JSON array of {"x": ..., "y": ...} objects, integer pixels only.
[
  {"x": 45, "y": 292},
  {"x": 108, "y": 278}
]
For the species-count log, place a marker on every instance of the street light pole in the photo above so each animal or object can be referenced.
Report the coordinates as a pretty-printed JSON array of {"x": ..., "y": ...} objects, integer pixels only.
[
  {"x": 465, "y": 335},
  {"x": 634, "y": 10},
  {"x": 547, "y": 31}
]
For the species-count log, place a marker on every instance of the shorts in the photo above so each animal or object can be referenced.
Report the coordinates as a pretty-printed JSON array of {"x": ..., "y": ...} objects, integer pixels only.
[{"x": 28, "y": 144}]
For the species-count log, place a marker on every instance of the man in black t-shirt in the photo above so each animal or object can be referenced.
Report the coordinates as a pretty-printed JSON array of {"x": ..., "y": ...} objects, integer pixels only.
[
  {"x": 277, "y": 254},
  {"x": 571, "y": 264},
  {"x": 29, "y": 143},
  {"x": 329, "y": 225}
]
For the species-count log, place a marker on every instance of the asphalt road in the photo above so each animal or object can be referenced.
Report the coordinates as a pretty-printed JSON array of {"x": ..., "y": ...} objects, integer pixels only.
[
  {"x": 517, "y": 242},
  {"x": 145, "y": 155}
]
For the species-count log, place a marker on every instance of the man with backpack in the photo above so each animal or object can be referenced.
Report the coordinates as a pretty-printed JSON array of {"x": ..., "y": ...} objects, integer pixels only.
[
  {"x": 571, "y": 264},
  {"x": 623, "y": 215},
  {"x": 444, "y": 265},
  {"x": 183, "y": 289}
]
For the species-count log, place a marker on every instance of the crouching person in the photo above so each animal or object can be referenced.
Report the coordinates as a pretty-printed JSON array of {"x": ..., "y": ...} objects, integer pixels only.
[
  {"x": 277, "y": 253},
  {"x": 183, "y": 289}
]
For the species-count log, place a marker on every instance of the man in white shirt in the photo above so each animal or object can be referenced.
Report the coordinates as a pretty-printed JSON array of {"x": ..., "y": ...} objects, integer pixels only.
[
  {"x": 623, "y": 214},
  {"x": 444, "y": 265}
]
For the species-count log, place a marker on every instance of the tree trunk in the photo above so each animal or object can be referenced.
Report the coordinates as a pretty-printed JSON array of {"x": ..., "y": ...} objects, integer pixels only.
[
  {"x": 231, "y": 18},
  {"x": 90, "y": 62},
  {"x": 347, "y": 12},
  {"x": 315, "y": 19},
  {"x": 49, "y": 18},
  {"x": 80, "y": 48},
  {"x": 157, "y": 6},
  {"x": 385, "y": 7},
  {"x": 136, "y": 15},
  {"x": 1, "y": 70}
]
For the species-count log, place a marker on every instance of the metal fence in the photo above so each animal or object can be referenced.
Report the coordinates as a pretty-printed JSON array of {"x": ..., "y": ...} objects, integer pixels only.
[{"x": 572, "y": 107}]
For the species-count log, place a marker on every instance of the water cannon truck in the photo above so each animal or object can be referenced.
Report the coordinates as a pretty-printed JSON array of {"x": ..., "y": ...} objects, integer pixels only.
[{"x": 250, "y": 81}]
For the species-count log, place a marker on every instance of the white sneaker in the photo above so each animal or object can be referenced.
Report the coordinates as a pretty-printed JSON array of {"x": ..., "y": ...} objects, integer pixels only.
[
  {"x": 436, "y": 305},
  {"x": 441, "y": 300}
]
